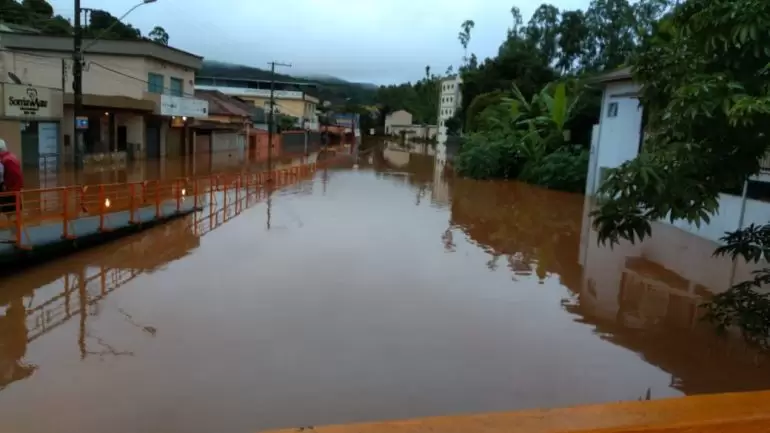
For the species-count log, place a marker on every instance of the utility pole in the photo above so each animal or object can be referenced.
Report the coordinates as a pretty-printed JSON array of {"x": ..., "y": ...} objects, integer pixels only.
[
  {"x": 77, "y": 86},
  {"x": 271, "y": 118}
]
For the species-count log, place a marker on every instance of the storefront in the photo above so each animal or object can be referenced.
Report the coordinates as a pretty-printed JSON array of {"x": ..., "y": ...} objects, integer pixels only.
[
  {"x": 30, "y": 124},
  {"x": 175, "y": 138}
]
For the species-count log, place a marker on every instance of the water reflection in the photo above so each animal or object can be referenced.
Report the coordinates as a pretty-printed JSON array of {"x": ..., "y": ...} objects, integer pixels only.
[
  {"x": 169, "y": 168},
  {"x": 646, "y": 297},
  {"x": 34, "y": 304}
]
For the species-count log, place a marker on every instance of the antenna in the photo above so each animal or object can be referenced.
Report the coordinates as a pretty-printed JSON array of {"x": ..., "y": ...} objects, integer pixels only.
[{"x": 14, "y": 78}]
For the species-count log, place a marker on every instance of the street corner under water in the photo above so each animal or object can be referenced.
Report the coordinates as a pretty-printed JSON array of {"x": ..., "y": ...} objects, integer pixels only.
[{"x": 384, "y": 288}]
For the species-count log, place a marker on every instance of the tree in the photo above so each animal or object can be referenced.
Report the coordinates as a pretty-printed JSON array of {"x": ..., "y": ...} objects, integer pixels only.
[
  {"x": 573, "y": 34},
  {"x": 40, "y": 8},
  {"x": 465, "y": 36},
  {"x": 159, "y": 35},
  {"x": 517, "y": 21},
  {"x": 704, "y": 74},
  {"x": 453, "y": 125},
  {"x": 286, "y": 122},
  {"x": 101, "y": 20},
  {"x": 421, "y": 99},
  {"x": 542, "y": 30}
]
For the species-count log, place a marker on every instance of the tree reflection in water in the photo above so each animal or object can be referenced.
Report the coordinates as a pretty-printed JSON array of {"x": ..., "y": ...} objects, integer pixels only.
[{"x": 631, "y": 296}]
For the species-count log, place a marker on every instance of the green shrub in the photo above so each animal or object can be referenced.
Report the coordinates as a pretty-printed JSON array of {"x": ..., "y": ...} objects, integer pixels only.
[
  {"x": 488, "y": 156},
  {"x": 565, "y": 170}
]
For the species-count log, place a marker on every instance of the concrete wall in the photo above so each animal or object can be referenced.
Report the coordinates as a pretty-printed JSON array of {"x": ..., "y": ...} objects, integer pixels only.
[
  {"x": 414, "y": 131},
  {"x": 294, "y": 142}
]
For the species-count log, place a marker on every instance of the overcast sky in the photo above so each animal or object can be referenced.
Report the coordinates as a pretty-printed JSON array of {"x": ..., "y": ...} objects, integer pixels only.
[{"x": 377, "y": 41}]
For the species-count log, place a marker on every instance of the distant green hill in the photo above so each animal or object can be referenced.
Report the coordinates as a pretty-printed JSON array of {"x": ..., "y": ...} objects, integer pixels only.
[{"x": 332, "y": 89}]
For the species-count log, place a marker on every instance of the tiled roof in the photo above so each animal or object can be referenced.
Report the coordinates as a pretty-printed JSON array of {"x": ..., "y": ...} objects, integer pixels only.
[
  {"x": 616, "y": 75},
  {"x": 221, "y": 104}
]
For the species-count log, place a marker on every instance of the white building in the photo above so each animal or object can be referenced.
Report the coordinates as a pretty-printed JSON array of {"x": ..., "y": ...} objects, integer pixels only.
[
  {"x": 450, "y": 100},
  {"x": 618, "y": 138}
]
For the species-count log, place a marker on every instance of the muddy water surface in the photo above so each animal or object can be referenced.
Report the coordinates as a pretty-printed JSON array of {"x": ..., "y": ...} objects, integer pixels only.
[{"x": 390, "y": 291}]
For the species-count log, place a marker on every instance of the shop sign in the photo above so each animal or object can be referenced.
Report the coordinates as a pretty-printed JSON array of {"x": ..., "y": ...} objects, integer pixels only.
[
  {"x": 183, "y": 107},
  {"x": 82, "y": 122},
  {"x": 27, "y": 101}
]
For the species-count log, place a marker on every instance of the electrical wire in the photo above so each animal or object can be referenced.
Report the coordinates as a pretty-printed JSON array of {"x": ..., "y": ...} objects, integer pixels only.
[
  {"x": 88, "y": 63},
  {"x": 106, "y": 68}
]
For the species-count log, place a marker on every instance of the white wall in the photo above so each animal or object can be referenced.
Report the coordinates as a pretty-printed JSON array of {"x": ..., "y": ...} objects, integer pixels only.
[
  {"x": 618, "y": 136},
  {"x": 728, "y": 217},
  {"x": 686, "y": 254}
]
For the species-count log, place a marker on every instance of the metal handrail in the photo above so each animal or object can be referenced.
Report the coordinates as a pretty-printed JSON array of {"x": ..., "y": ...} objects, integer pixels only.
[{"x": 70, "y": 203}]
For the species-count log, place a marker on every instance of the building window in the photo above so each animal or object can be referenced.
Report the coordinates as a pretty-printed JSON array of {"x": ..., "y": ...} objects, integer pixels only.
[
  {"x": 612, "y": 109},
  {"x": 176, "y": 86},
  {"x": 154, "y": 83}
]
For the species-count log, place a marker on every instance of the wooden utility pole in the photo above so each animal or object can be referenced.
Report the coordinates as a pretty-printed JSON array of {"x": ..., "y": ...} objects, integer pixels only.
[
  {"x": 271, "y": 118},
  {"x": 77, "y": 86}
]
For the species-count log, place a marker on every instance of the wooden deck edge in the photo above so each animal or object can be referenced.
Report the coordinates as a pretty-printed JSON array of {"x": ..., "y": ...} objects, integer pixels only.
[{"x": 732, "y": 412}]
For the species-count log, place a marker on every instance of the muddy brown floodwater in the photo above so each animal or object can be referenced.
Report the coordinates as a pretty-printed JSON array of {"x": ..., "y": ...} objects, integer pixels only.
[{"x": 391, "y": 291}]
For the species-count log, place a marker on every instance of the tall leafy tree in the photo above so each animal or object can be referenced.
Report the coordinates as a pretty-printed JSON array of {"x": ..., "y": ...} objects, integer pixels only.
[
  {"x": 542, "y": 30},
  {"x": 101, "y": 20},
  {"x": 465, "y": 36},
  {"x": 159, "y": 34},
  {"x": 517, "y": 21},
  {"x": 705, "y": 75},
  {"x": 572, "y": 40},
  {"x": 40, "y": 8}
]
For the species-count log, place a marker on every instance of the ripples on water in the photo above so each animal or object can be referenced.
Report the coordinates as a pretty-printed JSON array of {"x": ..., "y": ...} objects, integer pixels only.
[{"x": 390, "y": 291}]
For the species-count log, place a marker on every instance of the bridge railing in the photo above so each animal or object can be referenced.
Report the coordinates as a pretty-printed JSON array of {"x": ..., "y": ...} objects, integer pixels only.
[{"x": 62, "y": 207}]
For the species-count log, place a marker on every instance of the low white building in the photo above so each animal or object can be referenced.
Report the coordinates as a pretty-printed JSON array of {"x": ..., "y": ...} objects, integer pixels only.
[
  {"x": 619, "y": 137},
  {"x": 400, "y": 122},
  {"x": 397, "y": 118}
]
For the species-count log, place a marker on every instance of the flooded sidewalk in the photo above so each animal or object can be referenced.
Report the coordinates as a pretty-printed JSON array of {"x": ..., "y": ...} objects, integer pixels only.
[{"x": 390, "y": 291}]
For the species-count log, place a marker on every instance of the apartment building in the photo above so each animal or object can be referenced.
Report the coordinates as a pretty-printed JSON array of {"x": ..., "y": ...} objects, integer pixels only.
[
  {"x": 289, "y": 100},
  {"x": 450, "y": 100},
  {"x": 138, "y": 99}
]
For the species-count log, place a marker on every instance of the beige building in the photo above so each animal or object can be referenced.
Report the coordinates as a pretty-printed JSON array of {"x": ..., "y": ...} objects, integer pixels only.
[
  {"x": 397, "y": 118},
  {"x": 400, "y": 123},
  {"x": 137, "y": 97},
  {"x": 293, "y": 103}
]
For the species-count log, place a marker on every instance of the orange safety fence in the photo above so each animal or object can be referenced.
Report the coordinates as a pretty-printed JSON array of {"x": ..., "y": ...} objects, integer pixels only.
[{"x": 63, "y": 205}]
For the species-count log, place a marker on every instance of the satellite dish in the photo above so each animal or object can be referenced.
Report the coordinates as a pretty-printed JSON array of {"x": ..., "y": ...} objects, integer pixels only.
[{"x": 14, "y": 78}]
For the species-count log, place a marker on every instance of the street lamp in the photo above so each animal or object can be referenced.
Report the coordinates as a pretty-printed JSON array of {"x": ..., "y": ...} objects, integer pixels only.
[{"x": 77, "y": 73}]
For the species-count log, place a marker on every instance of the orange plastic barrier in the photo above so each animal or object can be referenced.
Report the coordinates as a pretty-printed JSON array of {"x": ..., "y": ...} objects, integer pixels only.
[{"x": 63, "y": 205}]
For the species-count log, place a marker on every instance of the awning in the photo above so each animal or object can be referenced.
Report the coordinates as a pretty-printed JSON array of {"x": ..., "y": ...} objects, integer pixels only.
[
  {"x": 113, "y": 102},
  {"x": 216, "y": 126}
]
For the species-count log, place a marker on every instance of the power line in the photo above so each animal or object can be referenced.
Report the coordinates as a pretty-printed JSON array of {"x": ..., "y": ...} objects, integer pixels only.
[{"x": 90, "y": 62}]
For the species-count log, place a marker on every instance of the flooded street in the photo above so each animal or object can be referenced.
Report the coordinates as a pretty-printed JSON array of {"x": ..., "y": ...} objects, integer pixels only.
[{"x": 389, "y": 291}]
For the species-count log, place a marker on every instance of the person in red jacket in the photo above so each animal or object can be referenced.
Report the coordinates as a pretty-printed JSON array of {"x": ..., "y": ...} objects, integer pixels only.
[{"x": 12, "y": 181}]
